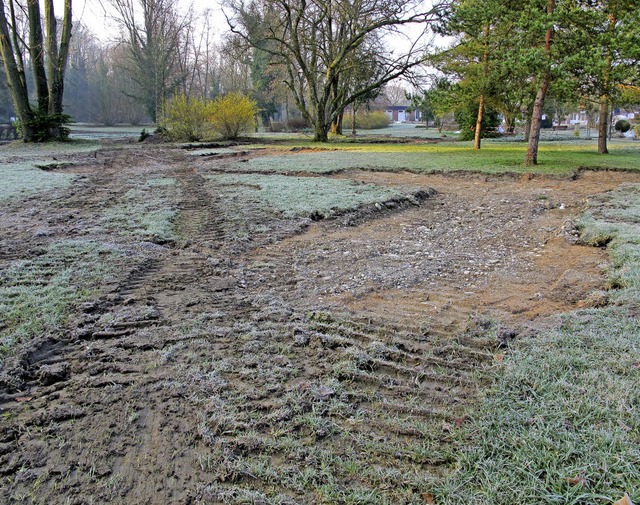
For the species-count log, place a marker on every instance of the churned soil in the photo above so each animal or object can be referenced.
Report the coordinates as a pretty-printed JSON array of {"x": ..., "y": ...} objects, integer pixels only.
[{"x": 225, "y": 364}]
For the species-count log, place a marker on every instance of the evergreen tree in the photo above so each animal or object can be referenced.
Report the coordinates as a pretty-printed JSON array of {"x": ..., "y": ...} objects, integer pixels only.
[{"x": 610, "y": 58}]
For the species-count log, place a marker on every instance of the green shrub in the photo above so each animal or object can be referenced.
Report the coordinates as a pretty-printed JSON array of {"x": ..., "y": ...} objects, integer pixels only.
[
  {"x": 372, "y": 120},
  {"x": 231, "y": 115},
  {"x": 185, "y": 119},
  {"x": 622, "y": 125},
  {"x": 44, "y": 126},
  {"x": 636, "y": 130}
]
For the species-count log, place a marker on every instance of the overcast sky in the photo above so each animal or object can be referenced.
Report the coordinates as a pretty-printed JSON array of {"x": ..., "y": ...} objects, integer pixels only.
[{"x": 96, "y": 17}]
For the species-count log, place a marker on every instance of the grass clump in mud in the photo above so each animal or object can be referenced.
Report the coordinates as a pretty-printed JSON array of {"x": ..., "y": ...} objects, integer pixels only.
[
  {"x": 37, "y": 296},
  {"x": 281, "y": 421},
  {"x": 143, "y": 211},
  {"x": 22, "y": 179},
  {"x": 561, "y": 423},
  {"x": 304, "y": 196}
]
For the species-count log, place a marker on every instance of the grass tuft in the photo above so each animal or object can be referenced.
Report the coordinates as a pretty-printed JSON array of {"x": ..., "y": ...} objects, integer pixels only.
[{"x": 37, "y": 296}]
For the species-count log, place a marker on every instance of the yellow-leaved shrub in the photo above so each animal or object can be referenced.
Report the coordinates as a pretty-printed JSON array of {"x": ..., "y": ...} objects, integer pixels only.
[
  {"x": 185, "y": 119},
  {"x": 231, "y": 115}
]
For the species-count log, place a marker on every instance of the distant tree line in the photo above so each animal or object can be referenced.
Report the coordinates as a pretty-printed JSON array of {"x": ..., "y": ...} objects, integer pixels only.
[
  {"x": 161, "y": 52},
  {"x": 322, "y": 57},
  {"x": 318, "y": 57}
]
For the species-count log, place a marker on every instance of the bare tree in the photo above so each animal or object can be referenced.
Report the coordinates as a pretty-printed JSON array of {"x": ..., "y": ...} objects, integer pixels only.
[
  {"x": 84, "y": 53},
  {"x": 48, "y": 54},
  {"x": 153, "y": 32},
  {"x": 112, "y": 89},
  {"x": 6, "y": 110},
  {"x": 394, "y": 94},
  {"x": 205, "y": 63},
  {"x": 315, "y": 40},
  {"x": 231, "y": 71}
]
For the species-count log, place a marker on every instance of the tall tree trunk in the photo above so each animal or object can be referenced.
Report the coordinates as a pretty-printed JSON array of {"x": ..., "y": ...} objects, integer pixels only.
[
  {"x": 527, "y": 125},
  {"x": 603, "y": 124},
  {"x": 321, "y": 129},
  {"x": 536, "y": 119},
  {"x": 14, "y": 37},
  {"x": 15, "y": 79},
  {"x": 534, "y": 138},
  {"x": 354, "y": 111},
  {"x": 336, "y": 124},
  {"x": 320, "y": 133},
  {"x": 604, "y": 98},
  {"x": 510, "y": 121},
  {"x": 478, "y": 132},
  {"x": 340, "y": 122},
  {"x": 57, "y": 59},
  {"x": 36, "y": 51},
  {"x": 485, "y": 71}
]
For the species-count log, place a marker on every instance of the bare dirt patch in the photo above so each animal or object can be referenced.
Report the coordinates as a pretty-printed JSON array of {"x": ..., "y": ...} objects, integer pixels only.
[
  {"x": 258, "y": 358},
  {"x": 500, "y": 246}
]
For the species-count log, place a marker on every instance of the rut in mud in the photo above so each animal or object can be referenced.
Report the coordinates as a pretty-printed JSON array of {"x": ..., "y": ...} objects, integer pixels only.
[{"x": 257, "y": 358}]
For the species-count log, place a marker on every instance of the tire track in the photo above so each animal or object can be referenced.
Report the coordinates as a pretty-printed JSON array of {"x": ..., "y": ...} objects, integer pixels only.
[{"x": 225, "y": 369}]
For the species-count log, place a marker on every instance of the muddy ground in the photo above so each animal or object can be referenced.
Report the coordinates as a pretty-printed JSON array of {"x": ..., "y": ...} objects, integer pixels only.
[{"x": 258, "y": 359}]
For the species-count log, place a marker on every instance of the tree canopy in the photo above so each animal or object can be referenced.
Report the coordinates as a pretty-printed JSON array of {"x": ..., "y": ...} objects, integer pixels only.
[
  {"x": 318, "y": 43},
  {"x": 511, "y": 56},
  {"x": 519, "y": 59}
]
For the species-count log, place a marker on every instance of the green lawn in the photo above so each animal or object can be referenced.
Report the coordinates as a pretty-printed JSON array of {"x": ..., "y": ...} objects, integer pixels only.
[{"x": 561, "y": 157}]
